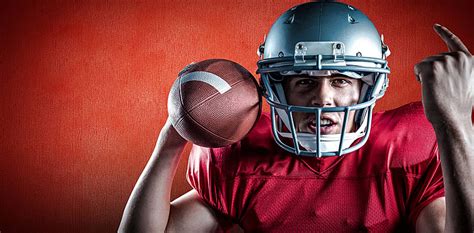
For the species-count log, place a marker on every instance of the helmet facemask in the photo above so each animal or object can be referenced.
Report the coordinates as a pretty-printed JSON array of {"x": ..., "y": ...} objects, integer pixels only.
[{"x": 285, "y": 125}]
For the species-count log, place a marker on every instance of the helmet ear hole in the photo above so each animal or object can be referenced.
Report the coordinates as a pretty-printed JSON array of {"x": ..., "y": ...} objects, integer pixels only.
[{"x": 261, "y": 49}]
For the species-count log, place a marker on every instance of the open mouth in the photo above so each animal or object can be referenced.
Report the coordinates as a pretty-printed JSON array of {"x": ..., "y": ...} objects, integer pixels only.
[{"x": 328, "y": 126}]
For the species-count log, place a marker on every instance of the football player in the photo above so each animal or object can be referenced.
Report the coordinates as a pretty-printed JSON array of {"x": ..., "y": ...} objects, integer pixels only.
[{"x": 309, "y": 165}]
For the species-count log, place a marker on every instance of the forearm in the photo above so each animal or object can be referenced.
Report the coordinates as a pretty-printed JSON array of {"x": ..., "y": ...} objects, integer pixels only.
[
  {"x": 456, "y": 147},
  {"x": 149, "y": 205}
]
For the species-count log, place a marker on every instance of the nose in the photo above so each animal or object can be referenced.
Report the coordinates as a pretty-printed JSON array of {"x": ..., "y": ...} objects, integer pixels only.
[{"x": 323, "y": 95}]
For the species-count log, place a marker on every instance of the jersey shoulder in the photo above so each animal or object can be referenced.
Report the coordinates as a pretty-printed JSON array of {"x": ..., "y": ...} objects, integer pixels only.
[
  {"x": 407, "y": 123},
  {"x": 404, "y": 136}
]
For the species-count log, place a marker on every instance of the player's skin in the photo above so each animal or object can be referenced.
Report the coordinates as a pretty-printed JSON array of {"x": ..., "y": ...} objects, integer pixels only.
[
  {"x": 333, "y": 91},
  {"x": 149, "y": 208},
  {"x": 447, "y": 84}
]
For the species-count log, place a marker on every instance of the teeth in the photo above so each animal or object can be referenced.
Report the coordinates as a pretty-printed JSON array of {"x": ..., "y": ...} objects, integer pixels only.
[{"x": 326, "y": 122}]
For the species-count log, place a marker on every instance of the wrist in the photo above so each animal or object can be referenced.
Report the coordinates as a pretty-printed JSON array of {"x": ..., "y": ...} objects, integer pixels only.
[
  {"x": 170, "y": 144},
  {"x": 171, "y": 135},
  {"x": 459, "y": 125},
  {"x": 456, "y": 139}
]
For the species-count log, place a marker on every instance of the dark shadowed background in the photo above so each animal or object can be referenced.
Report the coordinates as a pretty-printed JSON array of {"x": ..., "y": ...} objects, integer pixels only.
[{"x": 84, "y": 84}]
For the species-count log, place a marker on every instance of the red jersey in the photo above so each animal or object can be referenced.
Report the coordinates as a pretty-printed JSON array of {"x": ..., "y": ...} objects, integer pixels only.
[{"x": 381, "y": 187}]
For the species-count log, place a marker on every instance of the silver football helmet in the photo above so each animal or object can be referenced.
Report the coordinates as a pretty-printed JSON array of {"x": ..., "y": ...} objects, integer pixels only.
[{"x": 322, "y": 39}]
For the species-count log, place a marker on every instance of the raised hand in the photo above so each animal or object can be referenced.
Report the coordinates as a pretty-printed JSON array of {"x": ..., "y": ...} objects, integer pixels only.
[{"x": 447, "y": 82}]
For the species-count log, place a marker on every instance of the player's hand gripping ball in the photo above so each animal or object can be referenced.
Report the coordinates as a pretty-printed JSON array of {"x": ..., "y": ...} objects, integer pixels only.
[{"x": 214, "y": 103}]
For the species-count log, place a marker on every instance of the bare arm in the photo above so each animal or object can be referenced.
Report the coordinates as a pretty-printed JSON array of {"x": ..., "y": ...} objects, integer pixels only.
[
  {"x": 456, "y": 145},
  {"x": 448, "y": 97},
  {"x": 148, "y": 209},
  {"x": 432, "y": 217},
  {"x": 189, "y": 212},
  {"x": 455, "y": 212}
]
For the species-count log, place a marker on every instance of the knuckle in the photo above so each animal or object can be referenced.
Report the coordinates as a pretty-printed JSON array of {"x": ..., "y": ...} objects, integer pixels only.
[
  {"x": 437, "y": 65},
  {"x": 418, "y": 67},
  {"x": 446, "y": 58},
  {"x": 462, "y": 58},
  {"x": 459, "y": 55}
]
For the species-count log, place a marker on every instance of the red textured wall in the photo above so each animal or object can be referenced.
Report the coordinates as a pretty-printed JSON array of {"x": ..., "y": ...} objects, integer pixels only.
[{"x": 84, "y": 88}]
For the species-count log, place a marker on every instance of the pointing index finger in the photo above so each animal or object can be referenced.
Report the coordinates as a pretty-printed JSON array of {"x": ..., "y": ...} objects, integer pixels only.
[{"x": 452, "y": 41}]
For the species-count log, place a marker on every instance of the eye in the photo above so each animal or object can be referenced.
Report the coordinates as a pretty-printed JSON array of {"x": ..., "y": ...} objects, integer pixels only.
[
  {"x": 304, "y": 82},
  {"x": 340, "y": 82}
]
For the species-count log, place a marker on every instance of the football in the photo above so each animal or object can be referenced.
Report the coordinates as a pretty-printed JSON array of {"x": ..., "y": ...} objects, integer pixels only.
[{"x": 214, "y": 103}]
